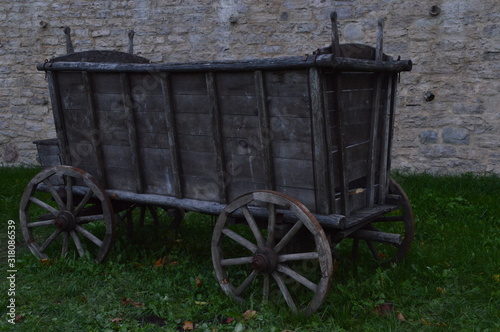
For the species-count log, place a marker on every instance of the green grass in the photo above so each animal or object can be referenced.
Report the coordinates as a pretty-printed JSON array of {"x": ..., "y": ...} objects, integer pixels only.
[{"x": 449, "y": 281}]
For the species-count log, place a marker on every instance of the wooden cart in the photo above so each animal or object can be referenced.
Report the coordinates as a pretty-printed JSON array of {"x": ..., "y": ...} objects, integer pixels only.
[{"x": 295, "y": 148}]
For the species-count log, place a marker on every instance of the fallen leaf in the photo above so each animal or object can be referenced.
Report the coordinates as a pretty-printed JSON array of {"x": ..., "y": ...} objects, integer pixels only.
[
  {"x": 441, "y": 290},
  {"x": 126, "y": 301},
  {"x": 45, "y": 261},
  {"x": 249, "y": 314},
  {"x": 116, "y": 320},
  {"x": 161, "y": 261},
  {"x": 228, "y": 320},
  {"x": 19, "y": 318},
  {"x": 188, "y": 326},
  {"x": 198, "y": 282},
  {"x": 200, "y": 302},
  {"x": 172, "y": 263},
  {"x": 425, "y": 322},
  {"x": 401, "y": 317},
  {"x": 496, "y": 277},
  {"x": 384, "y": 309},
  {"x": 224, "y": 281}
]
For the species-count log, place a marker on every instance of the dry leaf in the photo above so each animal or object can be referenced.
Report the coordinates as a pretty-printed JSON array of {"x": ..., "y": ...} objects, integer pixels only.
[
  {"x": 188, "y": 326},
  {"x": 19, "y": 318},
  {"x": 249, "y": 314},
  {"x": 425, "y": 322},
  {"x": 126, "y": 301},
  {"x": 401, "y": 317},
  {"x": 224, "y": 281},
  {"x": 384, "y": 309},
  {"x": 161, "y": 261},
  {"x": 116, "y": 320},
  {"x": 441, "y": 290},
  {"x": 200, "y": 302},
  {"x": 198, "y": 282},
  {"x": 45, "y": 261}
]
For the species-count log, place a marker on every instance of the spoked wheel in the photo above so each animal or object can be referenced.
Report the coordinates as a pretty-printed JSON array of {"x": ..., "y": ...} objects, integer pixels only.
[
  {"x": 64, "y": 208},
  {"x": 388, "y": 237},
  {"x": 253, "y": 259}
]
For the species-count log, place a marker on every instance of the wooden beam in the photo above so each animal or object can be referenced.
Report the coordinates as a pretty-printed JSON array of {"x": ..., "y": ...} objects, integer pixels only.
[
  {"x": 132, "y": 132},
  {"x": 217, "y": 136},
  {"x": 343, "y": 162},
  {"x": 94, "y": 133},
  {"x": 59, "y": 118},
  {"x": 320, "y": 150},
  {"x": 172, "y": 135},
  {"x": 264, "y": 133}
]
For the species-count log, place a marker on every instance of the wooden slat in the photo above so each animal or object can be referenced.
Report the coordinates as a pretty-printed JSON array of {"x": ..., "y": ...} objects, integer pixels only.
[
  {"x": 93, "y": 121},
  {"x": 385, "y": 158},
  {"x": 342, "y": 160},
  {"x": 217, "y": 135},
  {"x": 372, "y": 160},
  {"x": 264, "y": 134},
  {"x": 329, "y": 142},
  {"x": 172, "y": 136},
  {"x": 320, "y": 152},
  {"x": 132, "y": 132},
  {"x": 58, "y": 118}
]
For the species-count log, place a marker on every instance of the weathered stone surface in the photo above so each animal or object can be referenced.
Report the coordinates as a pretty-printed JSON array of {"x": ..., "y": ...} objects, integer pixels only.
[
  {"x": 455, "y": 56},
  {"x": 453, "y": 135}
]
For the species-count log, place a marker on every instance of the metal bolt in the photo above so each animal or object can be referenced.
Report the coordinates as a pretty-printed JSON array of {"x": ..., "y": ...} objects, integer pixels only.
[
  {"x": 435, "y": 10},
  {"x": 429, "y": 96}
]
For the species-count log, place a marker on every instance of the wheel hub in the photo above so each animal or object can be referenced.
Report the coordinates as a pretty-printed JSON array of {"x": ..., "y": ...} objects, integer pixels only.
[
  {"x": 264, "y": 260},
  {"x": 65, "y": 221}
]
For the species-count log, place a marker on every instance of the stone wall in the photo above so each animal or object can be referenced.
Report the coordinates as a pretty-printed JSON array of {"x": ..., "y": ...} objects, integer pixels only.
[{"x": 448, "y": 117}]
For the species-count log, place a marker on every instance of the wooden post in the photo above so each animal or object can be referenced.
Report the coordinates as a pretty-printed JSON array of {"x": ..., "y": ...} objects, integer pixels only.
[
  {"x": 93, "y": 120},
  {"x": 321, "y": 166},
  {"x": 172, "y": 135},
  {"x": 131, "y": 34},
  {"x": 58, "y": 118},
  {"x": 69, "y": 44},
  {"x": 217, "y": 135},
  {"x": 377, "y": 92},
  {"x": 132, "y": 133},
  {"x": 264, "y": 134}
]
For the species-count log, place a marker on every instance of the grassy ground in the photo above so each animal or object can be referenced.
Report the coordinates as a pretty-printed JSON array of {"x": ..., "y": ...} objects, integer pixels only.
[{"x": 449, "y": 281}]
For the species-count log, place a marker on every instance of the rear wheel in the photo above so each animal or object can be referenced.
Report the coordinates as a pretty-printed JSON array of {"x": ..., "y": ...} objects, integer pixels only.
[
  {"x": 388, "y": 238},
  {"x": 63, "y": 208}
]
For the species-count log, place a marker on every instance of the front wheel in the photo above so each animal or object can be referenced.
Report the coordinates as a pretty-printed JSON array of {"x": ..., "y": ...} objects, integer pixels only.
[{"x": 258, "y": 257}]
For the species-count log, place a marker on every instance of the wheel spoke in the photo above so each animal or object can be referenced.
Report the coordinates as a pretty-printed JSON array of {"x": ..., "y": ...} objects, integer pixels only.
[
  {"x": 41, "y": 223},
  {"x": 374, "y": 251},
  {"x": 288, "y": 236},
  {"x": 284, "y": 291},
  {"x": 89, "y": 235},
  {"x": 50, "y": 239},
  {"x": 54, "y": 193},
  {"x": 86, "y": 219},
  {"x": 271, "y": 224},
  {"x": 298, "y": 257},
  {"x": 248, "y": 280},
  {"x": 297, "y": 277},
  {"x": 265, "y": 289},
  {"x": 69, "y": 192},
  {"x": 78, "y": 244},
  {"x": 236, "y": 261},
  {"x": 240, "y": 239},
  {"x": 65, "y": 244},
  {"x": 253, "y": 226},
  {"x": 84, "y": 201},
  {"x": 44, "y": 206}
]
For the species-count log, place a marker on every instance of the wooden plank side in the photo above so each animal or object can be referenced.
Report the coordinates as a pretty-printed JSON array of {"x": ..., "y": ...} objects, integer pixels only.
[
  {"x": 97, "y": 154},
  {"x": 264, "y": 132},
  {"x": 132, "y": 133},
  {"x": 173, "y": 177},
  {"x": 217, "y": 133},
  {"x": 320, "y": 150}
]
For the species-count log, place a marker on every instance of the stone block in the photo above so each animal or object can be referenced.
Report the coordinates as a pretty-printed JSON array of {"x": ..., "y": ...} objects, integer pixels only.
[{"x": 455, "y": 135}]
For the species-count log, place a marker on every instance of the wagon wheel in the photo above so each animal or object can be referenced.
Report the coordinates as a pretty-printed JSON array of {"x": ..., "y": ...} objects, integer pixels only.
[
  {"x": 248, "y": 256},
  {"x": 398, "y": 225},
  {"x": 64, "y": 204}
]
